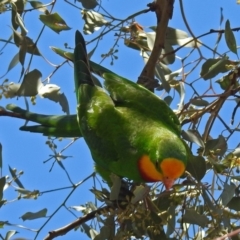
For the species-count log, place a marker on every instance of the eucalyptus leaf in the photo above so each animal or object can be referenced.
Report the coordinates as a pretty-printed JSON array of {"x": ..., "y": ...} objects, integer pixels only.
[
  {"x": 171, "y": 220},
  {"x": 34, "y": 215},
  {"x": 39, "y": 6},
  {"x": 9, "y": 234},
  {"x": 116, "y": 185},
  {"x": 88, "y": 4},
  {"x": 234, "y": 203},
  {"x": 213, "y": 66},
  {"x": 197, "y": 167},
  {"x": 88, "y": 230},
  {"x": 192, "y": 217},
  {"x": 31, "y": 84},
  {"x": 93, "y": 21},
  {"x": 52, "y": 92},
  {"x": 12, "y": 90},
  {"x": 13, "y": 63},
  {"x": 140, "y": 193},
  {"x": 199, "y": 102},
  {"x": 216, "y": 146},
  {"x": 55, "y": 22},
  {"x": 227, "y": 194},
  {"x": 2, "y": 185},
  {"x": 26, "y": 43},
  {"x": 192, "y": 135},
  {"x": 230, "y": 38},
  {"x": 232, "y": 158}
]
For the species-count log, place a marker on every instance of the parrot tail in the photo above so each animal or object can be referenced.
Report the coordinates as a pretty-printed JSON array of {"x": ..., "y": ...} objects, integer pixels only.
[
  {"x": 50, "y": 125},
  {"x": 82, "y": 73},
  {"x": 30, "y": 116}
]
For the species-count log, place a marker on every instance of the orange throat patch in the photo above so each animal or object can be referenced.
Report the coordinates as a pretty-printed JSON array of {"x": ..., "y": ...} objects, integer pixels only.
[
  {"x": 148, "y": 170},
  {"x": 171, "y": 168}
]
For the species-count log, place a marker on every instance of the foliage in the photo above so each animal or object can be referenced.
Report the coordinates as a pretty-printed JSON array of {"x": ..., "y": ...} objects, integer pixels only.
[{"x": 199, "y": 76}]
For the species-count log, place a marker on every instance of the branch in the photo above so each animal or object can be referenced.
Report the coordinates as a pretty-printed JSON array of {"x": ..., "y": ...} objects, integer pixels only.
[
  {"x": 79, "y": 221},
  {"x": 233, "y": 233},
  {"x": 163, "y": 10}
]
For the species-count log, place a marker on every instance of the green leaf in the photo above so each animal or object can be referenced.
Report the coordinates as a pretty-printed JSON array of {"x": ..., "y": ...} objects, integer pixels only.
[
  {"x": 169, "y": 58},
  {"x": 85, "y": 228},
  {"x": 9, "y": 234},
  {"x": 216, "y": 210},
  {"x": 27, "y": 194},
  {"x": 2, "y": 184},
  {"x": 31, "y": 84},
  {"x": 168, "y": 100},
  {"x": 95, "y": 68},
  {"x": 52, "y": 92},
  {"x": 192, "y": 217},
  {"x": 55, "y": 22},
  {"x": 227, "y": 193},
  {"x": 26, "y": 43},
  {"x": 63, "y": 53},
  {"x": 106, "y": 231},
  {"x": 197, "y": 167},
  {"x": 93, "y": 233},
  {"x": 212, "y": 67},
  {"x": 232, "y": 159},
  {"x": 88, "y": 4},
  {"x": 171, "y": 220},
  {"x": 137, "y": 44},
  {"x": 160, "y": 75},
  {"x": 31, "y": 215},
  {"x": 216, "y": 146},
  {"x": 179, "y": 37},
  {"x": 116, "y": 185},
  {"x": 13, "y": 62},
  {"x": 193, "y": 136},
  {"x": 18, "y": 21},
  {"x": 234, "y": 204},
  {"x": 230, "y": 38},
  {"x": 139, "y": 193},
  {"x": 199, "y": 102},
  {"x": 226, "y": 81},
  {"x": 39, "y": 6},
  {"x": 93, "y": 21},
  {"x": 17, "y": 9}
]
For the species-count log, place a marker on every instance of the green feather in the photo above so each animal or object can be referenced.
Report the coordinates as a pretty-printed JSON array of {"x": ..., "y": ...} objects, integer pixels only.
[
  {"x": 120, "y": 127},
  {"x": 50, "y": 125},
  {"x": 126, "y": 124}
]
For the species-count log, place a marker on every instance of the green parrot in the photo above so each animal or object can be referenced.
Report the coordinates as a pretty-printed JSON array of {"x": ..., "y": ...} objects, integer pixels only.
[{"x": 128, "y": 129}]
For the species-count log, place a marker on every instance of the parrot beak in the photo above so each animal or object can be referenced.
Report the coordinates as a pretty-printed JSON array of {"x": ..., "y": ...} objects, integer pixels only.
[{"x": 168, "y": 182}]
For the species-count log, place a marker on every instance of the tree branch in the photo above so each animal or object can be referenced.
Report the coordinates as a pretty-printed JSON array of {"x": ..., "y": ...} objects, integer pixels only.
[
  {"x": 79, "y": 221},
  {"x": 164, "y": 11}
]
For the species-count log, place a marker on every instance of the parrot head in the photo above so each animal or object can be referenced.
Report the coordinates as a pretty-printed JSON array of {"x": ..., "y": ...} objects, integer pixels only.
[{"x": 166, "y": 170}]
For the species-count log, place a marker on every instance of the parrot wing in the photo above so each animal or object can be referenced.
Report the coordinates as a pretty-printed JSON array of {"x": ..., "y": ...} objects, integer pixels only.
[
  {"x": 123, "y": 134},
  {"x": 129, "y": 94}
]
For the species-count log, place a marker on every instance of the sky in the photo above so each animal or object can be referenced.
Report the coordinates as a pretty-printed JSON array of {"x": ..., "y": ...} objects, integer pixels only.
[{"x": 27, "y": 151}]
